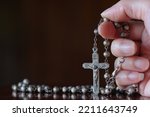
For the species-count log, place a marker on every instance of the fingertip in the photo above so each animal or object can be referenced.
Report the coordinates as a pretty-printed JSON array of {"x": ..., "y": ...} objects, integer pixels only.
[
  {"x": 125, "y": 78},
  {"x": 107, "y": 30},
  {"x": 123, "y": 47},
  {"x": 116, "y": 13}
]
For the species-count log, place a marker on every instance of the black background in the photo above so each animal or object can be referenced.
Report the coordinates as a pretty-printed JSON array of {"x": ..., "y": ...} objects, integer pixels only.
[{"x": 47, "y": 41}]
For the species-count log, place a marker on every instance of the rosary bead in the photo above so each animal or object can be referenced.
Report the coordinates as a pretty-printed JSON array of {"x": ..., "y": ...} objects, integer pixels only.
[
  {"x": 64, "y": 89},
  {"x": 107, "y": 91},
  {"x": 19, "y": 84},
  {"x": 96, "y": 31},
  {"x": 117, "y": 25},
  {"x": 126, "y": 27},
  {"x": 39, "y": 89},
  {"x": 84, "y": 90},
  {"x": 106, "y": 43},
  {"x": 55, "y": 89},
  {"x": 123, "y": 34},
  {"x": 106, "y": 54},
  {"x": 130, "y": 91},
  {"x": 25, "y": 81},
  {"x": 73, "y": 90},
  {"x": 14, "y": 87},
  {"x": 102, "y": 91},
  {"x": 22, "y": 88},
  {"x": 78, "y": 87},
  {"x": 47, "y": 89},
  {"x": 105, "y": 20},
  {"x": 29, "y": 89},
  {"x": 106, "y": 75}
]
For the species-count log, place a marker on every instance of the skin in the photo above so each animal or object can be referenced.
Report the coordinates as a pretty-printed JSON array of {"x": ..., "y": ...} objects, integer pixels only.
[{"x": 136, "y": 48}]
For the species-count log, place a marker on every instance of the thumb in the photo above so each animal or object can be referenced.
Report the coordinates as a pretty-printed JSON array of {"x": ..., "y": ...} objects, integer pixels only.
[{"x": 126, "y": 10}]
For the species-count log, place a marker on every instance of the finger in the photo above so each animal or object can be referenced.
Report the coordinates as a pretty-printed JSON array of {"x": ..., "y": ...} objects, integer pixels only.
[
  {"x": 107, "y": 30},
  {"x": 123, "y": 47},
  {"x": 125, "y": 10},
  {"x": 125, "y": 78},
  {"x": 134, "y": 63},
  {"x": 144, "y": 87}
]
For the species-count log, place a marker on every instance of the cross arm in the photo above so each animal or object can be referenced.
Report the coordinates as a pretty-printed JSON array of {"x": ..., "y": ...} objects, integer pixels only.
[
  {"x": 87, "y": 65},
  {"x": 103, "y": 65}
]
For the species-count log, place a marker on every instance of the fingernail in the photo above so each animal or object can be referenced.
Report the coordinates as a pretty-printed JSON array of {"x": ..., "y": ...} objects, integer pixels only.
[
  {"x": 136, "y": 76},
  {"x": 127, "y": 48},
  {"x": 106, "y": 12},
  {"x": 140, "y": 64}
]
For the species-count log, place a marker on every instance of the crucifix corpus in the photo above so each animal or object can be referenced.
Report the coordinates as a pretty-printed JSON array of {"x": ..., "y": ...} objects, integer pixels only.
[{"x": 95, "y": 66}]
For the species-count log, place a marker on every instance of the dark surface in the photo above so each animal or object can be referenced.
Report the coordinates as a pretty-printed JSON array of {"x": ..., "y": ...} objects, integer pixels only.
[{"x": 7, "y": 94}]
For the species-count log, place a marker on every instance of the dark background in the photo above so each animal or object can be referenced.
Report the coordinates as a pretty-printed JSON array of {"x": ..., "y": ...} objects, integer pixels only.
[{"x": 47, "y": 41}]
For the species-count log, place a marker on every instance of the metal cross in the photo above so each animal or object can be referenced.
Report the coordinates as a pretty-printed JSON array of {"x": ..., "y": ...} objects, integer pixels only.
[{"x": 95, "y": 66}]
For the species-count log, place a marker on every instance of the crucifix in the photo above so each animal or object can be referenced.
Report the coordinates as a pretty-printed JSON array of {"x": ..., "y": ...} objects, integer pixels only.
[{"x": 95, "y": 66}]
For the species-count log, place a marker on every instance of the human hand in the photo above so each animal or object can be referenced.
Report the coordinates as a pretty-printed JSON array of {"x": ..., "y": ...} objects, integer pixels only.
[{"x": 136, "y": 49}]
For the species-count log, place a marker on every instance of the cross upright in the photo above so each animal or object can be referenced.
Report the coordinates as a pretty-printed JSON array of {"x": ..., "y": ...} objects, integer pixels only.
[{"x": 95, "y": 66}]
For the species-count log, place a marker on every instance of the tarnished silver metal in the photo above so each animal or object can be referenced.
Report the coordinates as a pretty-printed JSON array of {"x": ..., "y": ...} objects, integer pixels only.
[{"x": 95, "y": 66}]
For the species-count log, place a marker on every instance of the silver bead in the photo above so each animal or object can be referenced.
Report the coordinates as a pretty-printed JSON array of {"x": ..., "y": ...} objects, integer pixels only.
[
  {"x": 14, "y": 87},
  {"x": 84, "y": 90},
  {"x": 39, "y": 89},
  {"x": 96, "y": 31},
  {"x": 105, "y": 20},
  {"x": 47, "y": 89},
  {"x": 124, "y": 34},
  {"x": 73, "y": 90},
  {"x": 106, "y": 75},
  {"x": 19, "y": 84},
  {"x": 102, "y": 91},
  {"x": 107, "y": 91},
  {"x": 25, "y": 81},
  {"x": 23, "y": 88},
  {"x": 29, "y": 89},
  {"x": 130, "y": 91},
  {"x": 126, "y": 27},
  {"x": 112, "y": 86},
  {"x": 55, "y": 89},
  {"x": 78, "y": 87},
  {"x": 106, "y": 54},
  {"x": 64, "y": 89},
  {"x": 106, "y": 43},
  {"x": 117, "y": 25}
]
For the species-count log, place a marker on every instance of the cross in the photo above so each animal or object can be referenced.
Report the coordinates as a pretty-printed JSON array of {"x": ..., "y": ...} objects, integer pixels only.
[{"x": 95, "y": 66}]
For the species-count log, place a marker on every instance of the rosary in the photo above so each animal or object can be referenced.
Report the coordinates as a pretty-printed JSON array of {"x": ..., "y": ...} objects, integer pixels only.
[{"x": 95, "y": 89}]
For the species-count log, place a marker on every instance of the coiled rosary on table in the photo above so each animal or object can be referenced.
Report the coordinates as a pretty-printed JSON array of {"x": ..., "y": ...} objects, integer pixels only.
[{"x": 95, "y": 89}]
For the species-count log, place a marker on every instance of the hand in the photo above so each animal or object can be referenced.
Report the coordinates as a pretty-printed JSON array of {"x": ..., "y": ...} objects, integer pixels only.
[{"x": 136, "y": 48}]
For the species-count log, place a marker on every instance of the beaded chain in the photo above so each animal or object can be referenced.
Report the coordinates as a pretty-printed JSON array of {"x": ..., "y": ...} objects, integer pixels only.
[{"x": 110, "y": 88}]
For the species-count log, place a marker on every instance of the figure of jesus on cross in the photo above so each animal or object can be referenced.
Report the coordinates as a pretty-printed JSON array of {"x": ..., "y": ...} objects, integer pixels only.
[{"x": 95, "y": 66}]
